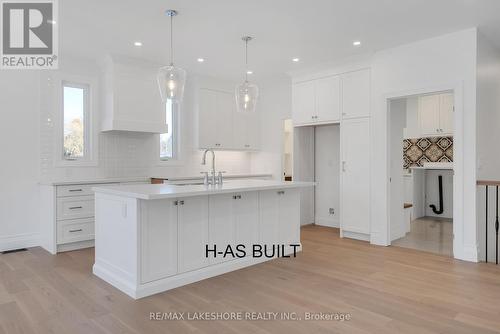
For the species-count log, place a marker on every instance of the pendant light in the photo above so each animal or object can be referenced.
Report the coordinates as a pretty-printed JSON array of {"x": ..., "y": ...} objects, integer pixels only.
[
  {"x": 171, "y": 79},
  {"x": 246, "y": 93}
]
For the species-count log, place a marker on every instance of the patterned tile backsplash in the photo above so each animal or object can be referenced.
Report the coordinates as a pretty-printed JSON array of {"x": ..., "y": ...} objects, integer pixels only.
[{"x": 417, "y": 151}]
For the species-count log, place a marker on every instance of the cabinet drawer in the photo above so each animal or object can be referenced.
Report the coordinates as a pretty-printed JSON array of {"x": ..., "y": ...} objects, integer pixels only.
[
  {"x": 75, "y": 230},
  {"x": 79, "y": 189},
  {"x": 75, "y": 207}
]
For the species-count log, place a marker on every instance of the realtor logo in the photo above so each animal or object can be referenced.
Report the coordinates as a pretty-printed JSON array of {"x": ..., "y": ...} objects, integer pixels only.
[{"x": 29, "y": 35}]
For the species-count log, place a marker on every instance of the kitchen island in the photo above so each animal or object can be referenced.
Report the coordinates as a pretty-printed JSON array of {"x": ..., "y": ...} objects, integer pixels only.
[{"x": 151, "y": 238}]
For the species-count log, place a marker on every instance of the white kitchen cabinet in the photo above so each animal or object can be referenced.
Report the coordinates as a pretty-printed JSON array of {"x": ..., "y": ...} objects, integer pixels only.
[
  {"x": 193, "y": 232},
  {"x": 132, "y": 101},
  {"x": 220, "y": 126},
  {"x": 246, "y": 219},
  {"x": 355, "y": 176},
  {"x": 356, "y": 94},
  {"x": 328, "y": 99},
  {"x": 435, "y": 114},
  {"x": 303, "y": 102},
  {"x": 279, "y": 216},
  {"x": 158, "y": 238},
  {"x": 316, "y": 101},
  {"x": 245, "y": 131},
  {"x": 233, "y": 219}
]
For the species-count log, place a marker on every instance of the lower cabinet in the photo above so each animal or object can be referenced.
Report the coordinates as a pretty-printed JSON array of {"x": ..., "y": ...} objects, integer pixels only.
[
  {"x": 193, "y": 232},
  {"x": 233, "y": 220},
  {"x": 159, "y": 237},
  {"x": 279, "y": 216},
  {"x": 174, "y": 233}
]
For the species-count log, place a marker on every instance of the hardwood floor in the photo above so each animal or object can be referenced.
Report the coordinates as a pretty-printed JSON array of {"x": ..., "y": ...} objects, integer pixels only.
[
  {"x": 384, "y": 289},
  {"x": 429, "y": 234}
]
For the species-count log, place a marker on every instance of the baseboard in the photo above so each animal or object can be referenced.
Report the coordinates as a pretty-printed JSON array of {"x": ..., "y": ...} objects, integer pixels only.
[
  {"x": 327, "y": 222},
  {"x": 355, "y": 235},
  {"x": 75, "y": 245},
  {"x": 467, "y": 253},
  {"x": 11, "y": 242}
]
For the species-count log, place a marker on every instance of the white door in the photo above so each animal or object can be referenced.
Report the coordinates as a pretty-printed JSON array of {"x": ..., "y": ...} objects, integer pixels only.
[
  {"x": 246, "y": 219},
  {"x": 356, "y": 94},
  {"x": 328, "y": 99},
  {"x": 355, "y": 195},
  {"x": 245, "y": 131},
  {"x": 289, "y": 216},
  {"x": 193, "y": 232},
  {"x": 446, "y": 108},
  {"x": 215, "y": 119},
  {"x": 269, "y": 226},
  {"x": 221, "y": 229},
  {"x": 428, "y": 114},
  {"x": 158, "y": 240},
  {"x": 303, "y": 104}
]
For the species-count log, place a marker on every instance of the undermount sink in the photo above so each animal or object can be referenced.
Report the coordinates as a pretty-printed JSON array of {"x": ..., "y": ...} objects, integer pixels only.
[{"x": 189, "y": 184}]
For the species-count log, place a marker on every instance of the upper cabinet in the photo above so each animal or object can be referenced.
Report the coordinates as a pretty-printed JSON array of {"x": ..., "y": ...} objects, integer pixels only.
[
  {"x": 435, "y": 114},
  {"x": 316, "y": 101},
  {"x": 132, "y": 101},
  {"x": 327, "y": 100},
  {"x": 220, "y": 126},
  {"x": 356, "y": 94}
]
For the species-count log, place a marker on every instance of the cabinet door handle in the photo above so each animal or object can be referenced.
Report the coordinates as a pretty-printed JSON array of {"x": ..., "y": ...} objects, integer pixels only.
[
  {"x": 343, "y": 166},
  {"x": 281, "y": 192},
  {"x": 73, "y": 231},
  {"x": 73, "y": 190},
  {"x": 181, "y": 202},
  {"x": 75, "y": 207},
  {"x": 176, "y": 202}
]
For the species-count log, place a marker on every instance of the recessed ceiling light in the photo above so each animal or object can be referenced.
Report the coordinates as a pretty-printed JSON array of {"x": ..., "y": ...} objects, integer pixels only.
[
  {"x": 296, "y": 60},
  {"x": 200, "y": 60},
  {"x": 356, "y": 43},
  {"x": 249, "y": 72},
  {"x": 138, "y": 43}
]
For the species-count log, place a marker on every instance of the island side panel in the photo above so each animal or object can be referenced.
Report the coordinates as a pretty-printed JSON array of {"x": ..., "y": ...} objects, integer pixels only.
[{"x": 116, "y": 241}]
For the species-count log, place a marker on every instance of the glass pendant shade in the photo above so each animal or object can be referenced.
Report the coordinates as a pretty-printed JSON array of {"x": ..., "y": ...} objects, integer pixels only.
[
  {"x": 246, "y": 97},
  {"x": 171, "y": 81}
]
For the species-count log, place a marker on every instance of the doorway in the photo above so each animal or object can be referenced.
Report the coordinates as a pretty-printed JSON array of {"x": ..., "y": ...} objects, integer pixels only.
[{"x": 421, "y": 167}]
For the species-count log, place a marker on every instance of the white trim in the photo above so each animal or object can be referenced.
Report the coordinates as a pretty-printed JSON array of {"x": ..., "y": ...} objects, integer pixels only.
[
  {"x": 460, "y": 250},
  {"x": 327, "y": 222},
  {"x": 17, "y": 241},
  {"x": 60, "y": 79},
  {"x": 177, "y": 141}
]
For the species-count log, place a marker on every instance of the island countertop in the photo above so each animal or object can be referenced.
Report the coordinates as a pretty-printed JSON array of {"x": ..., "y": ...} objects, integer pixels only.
[{"x": 160, "y": 191}]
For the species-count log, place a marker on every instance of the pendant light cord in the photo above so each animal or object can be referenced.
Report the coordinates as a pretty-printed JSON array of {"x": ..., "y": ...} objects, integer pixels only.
[
  {"x": 246, "y": 59},
  {"x": 171, "y": 41}
]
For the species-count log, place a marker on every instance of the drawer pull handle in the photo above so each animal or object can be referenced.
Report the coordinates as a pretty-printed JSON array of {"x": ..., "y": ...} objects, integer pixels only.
[
  {"x": 181, "y": 202},
  {"x": 281, "y": 192},
  {"x": 72, "y": 190},
  {"x": 72, "y": 231},
  {"x": 75, "y": 207}
]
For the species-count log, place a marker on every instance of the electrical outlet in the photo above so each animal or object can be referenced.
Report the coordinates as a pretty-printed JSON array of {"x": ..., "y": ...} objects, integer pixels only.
[{"x": 331, "y": 211}]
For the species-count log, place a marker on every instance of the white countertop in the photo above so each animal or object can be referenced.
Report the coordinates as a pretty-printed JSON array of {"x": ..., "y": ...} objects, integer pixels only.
[
  {"x": 200, "y": 177},
  {"x": 95, "y": 180},
  {"x": 160, "y": 191}
]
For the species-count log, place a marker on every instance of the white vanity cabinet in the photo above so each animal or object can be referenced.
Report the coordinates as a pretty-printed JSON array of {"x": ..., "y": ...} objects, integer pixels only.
[
  {"x": 316, "y": 101},
  {"x": 220, "y": 126},
  {"x": 435, "y": 114}
]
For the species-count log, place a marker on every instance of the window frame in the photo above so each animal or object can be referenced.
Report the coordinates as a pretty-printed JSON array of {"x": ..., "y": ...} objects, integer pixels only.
[
  {"x": 89, "y": 85},
  {"x": 176, "y": 140}
]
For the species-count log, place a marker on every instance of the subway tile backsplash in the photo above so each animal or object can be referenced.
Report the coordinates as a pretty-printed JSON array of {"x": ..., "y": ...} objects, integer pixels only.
[{"x": 417, "y": 151}]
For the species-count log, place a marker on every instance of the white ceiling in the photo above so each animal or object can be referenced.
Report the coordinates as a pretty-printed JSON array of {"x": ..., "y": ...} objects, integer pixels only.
[{"x": 316, "y": 31}]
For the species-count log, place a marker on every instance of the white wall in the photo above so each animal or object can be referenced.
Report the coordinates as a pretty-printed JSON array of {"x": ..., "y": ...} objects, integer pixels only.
[
  {"x": 327, "y": 175},
  {"x": 488, "y": 137},
  {"x": 19, "y": 170},
  {"x": 444, "y": 62},
  {"x": 412, "y": 129}
]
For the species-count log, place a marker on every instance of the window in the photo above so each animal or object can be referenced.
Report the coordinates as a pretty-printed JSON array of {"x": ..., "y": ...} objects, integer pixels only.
[
  {"x": 168, "y": 139},
  {"x": 76, "y": 122}
]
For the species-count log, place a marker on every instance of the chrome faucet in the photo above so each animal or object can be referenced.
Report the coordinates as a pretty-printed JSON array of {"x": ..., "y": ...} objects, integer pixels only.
[{"x": 212, "y": 179}]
